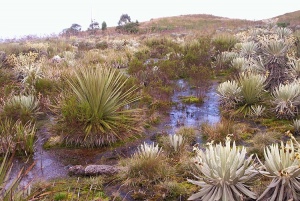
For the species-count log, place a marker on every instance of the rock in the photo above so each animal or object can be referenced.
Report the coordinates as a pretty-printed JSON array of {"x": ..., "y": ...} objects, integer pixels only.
[
  {"x": 56, "y": 59},
  {"x": 93, "y": 170},
  {"x": 76, "y": 170}
]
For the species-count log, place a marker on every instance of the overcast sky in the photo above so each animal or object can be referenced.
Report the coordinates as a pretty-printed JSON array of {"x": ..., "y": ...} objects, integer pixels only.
[{"x": 40, "y": 17}]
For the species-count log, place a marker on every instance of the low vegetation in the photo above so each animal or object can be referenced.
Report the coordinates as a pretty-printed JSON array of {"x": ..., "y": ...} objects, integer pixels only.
[{"x": 110, "y": 90}]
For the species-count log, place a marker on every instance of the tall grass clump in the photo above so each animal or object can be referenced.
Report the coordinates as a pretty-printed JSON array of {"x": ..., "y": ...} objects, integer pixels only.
[
  {"x": 224, "y": 173},
  {"x": 147, "y": 166},
  {"x": 9, "y": 188},
  {"x": 101, "y": 107},
  {"x": 217, "y": 132},
  {"x": 17, "y": 136}
]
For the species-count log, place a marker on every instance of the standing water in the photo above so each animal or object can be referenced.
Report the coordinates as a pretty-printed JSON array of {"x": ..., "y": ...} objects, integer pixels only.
[{"x": 193, "y": 115}]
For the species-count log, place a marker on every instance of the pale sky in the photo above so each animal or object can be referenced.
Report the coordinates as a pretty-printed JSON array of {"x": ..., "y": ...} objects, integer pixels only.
[{"x": 43, "y": 17}]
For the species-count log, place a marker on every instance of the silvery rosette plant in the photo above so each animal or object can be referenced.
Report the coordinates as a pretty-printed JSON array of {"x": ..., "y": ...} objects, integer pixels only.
[
  {"x": 282, "y": 164},
  {"x": 224, "y": 173}
]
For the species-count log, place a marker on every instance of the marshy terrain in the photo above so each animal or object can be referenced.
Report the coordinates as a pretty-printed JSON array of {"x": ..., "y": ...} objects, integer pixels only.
[{"x": 192, "y": 107}]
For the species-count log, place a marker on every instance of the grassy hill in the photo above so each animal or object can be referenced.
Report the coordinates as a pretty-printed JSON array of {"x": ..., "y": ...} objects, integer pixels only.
[
  {"x": 209, "y": 23},
  {"x": 199, "y": 22}
]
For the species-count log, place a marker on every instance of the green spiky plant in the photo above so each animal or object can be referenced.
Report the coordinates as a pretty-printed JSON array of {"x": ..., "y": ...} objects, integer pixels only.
[
  {"x": 252, "y": 90},
  {"x": 282, "y": 164},
  {"x": 25, "y": 108},
  {"x": 103, "y": 107},
  {"x": 286, "y": 99},
  {"x": 224, "y": 173}
]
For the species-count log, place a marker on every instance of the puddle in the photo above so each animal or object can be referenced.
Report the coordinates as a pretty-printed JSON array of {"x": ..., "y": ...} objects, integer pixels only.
[
  {"x": 51, "y": 164},
  {"x": 193, "y": 115}
]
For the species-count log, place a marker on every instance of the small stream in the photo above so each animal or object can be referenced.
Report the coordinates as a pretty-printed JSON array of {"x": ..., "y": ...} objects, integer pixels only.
[{"x": 54, "y": 163}]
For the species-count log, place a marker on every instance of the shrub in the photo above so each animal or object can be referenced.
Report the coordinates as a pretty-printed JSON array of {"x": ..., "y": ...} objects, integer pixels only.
[
  {"x": 282, "y": 164},
  {"x": 197, "y": 52},
  {"x": 102, "y": 45},
  {"x": 224, "y": 173},
  {"x": 100, "y": 106}
]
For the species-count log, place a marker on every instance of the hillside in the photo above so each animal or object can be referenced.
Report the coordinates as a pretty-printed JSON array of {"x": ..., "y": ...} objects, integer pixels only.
[
  {"x": 292, "y": 18},
  {"x": 199, "y": 22},
  {"x": 210, "y": 23}
]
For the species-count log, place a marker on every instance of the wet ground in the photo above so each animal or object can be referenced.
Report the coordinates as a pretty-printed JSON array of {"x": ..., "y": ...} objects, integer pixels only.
[
  {"x": 193, "y": 114},
  {"x": 54, "y": 163}
]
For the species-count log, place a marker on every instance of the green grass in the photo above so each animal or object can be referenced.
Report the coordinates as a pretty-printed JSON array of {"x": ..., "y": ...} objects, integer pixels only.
[
  {"x": 70, "y": 189},
  {"x": 191, "y": 99}
]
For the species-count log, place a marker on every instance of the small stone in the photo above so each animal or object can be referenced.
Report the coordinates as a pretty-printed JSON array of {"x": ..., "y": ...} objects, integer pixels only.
[
  {"x": 76, "y": 170},
  {"x": 56, "y": 59},
  {"x": 92, "y": 170}
]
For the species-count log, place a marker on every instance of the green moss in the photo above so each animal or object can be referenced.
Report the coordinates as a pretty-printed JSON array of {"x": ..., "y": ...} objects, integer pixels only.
[
  {"x": 70, "y": 189},
  {"x": 191, "y": 99},
  {"x": 60, "y": 196},
  {"x": 280, "y": 125},
  {"x": 245, "y": 136}
]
